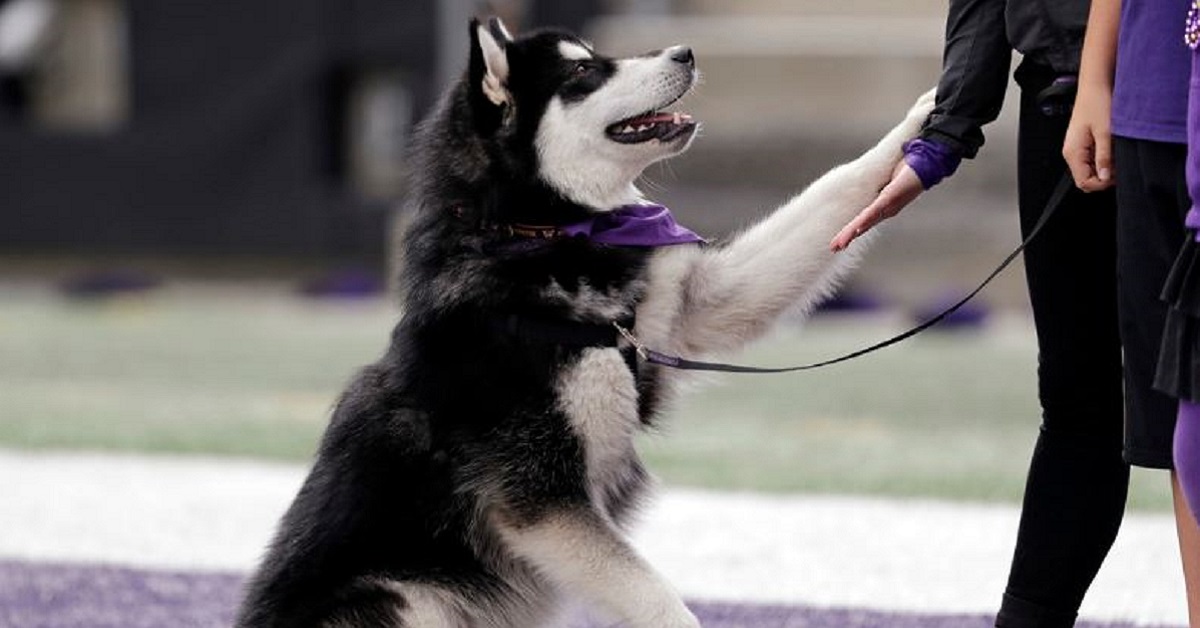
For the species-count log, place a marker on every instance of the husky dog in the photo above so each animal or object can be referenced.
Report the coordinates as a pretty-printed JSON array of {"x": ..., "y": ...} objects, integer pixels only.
[{"x": 483, "y": 470}]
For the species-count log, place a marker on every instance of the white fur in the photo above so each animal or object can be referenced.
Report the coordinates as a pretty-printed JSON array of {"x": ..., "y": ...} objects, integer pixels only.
[
  {"x": 573, "y": 51},
  {"x": 578, "y": 551},
  {"x": 427, "y": 605},
  {"x": 580, "y": 161},
  {"x": 698, "y": 301},
  {"x": 588, "y": 303},
  {"x": 703, "y": 301},
  {"x": 431, "y": 606},
  {"x": 598, "y": 396}
]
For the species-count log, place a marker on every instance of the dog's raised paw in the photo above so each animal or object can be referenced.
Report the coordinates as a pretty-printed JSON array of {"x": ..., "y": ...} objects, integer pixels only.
[{"x": 924, "y": 105}]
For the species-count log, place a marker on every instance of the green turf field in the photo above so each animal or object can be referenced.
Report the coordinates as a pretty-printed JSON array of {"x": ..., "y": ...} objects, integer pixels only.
[{"x": 251, "y": 371}]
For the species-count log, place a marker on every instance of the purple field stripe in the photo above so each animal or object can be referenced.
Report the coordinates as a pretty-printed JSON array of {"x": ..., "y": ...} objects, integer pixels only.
[
  {"x": 40, "y": 595},
  {"x": 37, "y": 595}
]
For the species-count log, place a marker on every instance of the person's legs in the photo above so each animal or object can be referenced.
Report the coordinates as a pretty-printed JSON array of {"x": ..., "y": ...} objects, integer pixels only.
[
  {"x": 1186, "y": 482},
  {"x": 1077, "y": 484},
  {"x": 1189, "y": 549},
  {"x": 1187, "y": 454},
  {"x": 1152, "y": 200}
]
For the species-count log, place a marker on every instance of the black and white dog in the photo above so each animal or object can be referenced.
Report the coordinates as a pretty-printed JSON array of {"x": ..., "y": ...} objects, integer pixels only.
[{"x": 484, "y": 470}]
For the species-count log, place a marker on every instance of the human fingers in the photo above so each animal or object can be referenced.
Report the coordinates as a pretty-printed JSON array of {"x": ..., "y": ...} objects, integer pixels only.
[
  {"x": 856, "y": 227},
  {"x": 1078, "y": 150},
  {"x": 1104, "y": 178},
  {"x": 895, "y": 196}
]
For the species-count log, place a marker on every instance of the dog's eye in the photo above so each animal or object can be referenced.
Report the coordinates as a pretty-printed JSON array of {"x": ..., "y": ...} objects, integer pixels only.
[{"x": 582, "y": 68}]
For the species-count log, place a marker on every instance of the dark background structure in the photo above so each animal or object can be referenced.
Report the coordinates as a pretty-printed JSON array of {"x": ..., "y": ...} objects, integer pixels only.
[{"x": 234, "y": 138}]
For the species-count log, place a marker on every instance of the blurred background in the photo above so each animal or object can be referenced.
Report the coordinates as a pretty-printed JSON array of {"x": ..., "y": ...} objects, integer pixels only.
[{"x": 196, "y": 202}]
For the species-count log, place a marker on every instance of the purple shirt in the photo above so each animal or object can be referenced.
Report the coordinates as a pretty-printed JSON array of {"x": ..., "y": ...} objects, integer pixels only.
[
  {"x": 1193, "y": 157},
  {"x": 1149, "y": 92}
]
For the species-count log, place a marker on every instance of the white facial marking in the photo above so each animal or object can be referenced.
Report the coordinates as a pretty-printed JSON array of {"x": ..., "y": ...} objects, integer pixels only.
[
  {"x": 573, "y": 51},
  {"x": 577, "y": 157}
]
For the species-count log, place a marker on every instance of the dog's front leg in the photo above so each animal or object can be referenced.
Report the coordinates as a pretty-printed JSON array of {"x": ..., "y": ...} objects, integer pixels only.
[
  {"x": 583, "y": 554},
  {"x": 734, "y": 293}
]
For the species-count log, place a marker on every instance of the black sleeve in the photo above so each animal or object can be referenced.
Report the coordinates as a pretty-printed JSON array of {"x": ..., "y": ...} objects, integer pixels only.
[{"x": 975, "y": 66}]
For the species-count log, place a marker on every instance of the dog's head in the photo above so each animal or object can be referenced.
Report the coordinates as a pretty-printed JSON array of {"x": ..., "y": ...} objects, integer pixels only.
[{"x": 582, "y": 124}]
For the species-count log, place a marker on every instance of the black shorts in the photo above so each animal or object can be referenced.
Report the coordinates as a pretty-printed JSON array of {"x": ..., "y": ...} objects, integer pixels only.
[{"x": 1152, "y": 200}]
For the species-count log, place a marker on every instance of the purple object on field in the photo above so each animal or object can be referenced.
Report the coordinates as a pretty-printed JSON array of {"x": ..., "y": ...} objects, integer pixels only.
[
  {"x": 352, "y": 283},
  {"x": 38, "y": 595},
  {"x": 971, "y": 315},
  {"x": 931, "y": 160},
  {"x": 851, "y": 302},
  {"x": 107, "y": 283}
]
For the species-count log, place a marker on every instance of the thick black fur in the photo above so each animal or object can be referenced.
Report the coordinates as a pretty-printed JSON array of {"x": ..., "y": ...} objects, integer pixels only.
[{"x": 458, "y": 417}]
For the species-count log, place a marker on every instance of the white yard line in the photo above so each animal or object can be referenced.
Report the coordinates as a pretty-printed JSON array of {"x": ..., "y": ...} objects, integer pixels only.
[{"x": 189, "y": 513}]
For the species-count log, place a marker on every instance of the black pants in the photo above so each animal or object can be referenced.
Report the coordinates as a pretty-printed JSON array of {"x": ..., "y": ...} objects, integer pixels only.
[{"x": 1077, "y": 484}]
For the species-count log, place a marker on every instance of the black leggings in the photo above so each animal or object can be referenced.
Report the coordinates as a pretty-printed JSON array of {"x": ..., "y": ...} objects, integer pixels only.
[{"x": 1077, "y": 484}]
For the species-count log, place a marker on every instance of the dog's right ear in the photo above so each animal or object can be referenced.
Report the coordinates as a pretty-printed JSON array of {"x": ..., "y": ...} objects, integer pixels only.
[
  {"x": 489, "y": 70},
  {"x": 490, "y": 42}
]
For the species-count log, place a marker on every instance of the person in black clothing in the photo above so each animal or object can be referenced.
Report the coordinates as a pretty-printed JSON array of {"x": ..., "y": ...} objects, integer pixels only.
[{"x": 1078, "y": 481}]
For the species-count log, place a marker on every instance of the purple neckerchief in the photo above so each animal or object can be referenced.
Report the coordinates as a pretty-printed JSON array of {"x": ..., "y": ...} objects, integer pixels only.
[
  {"x": 931, "y": 160},
  {"x": 633, "y": 225}
]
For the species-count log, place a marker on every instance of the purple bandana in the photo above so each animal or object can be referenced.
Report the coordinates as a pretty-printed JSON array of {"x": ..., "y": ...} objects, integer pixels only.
[{"x": 634, "y": 225}]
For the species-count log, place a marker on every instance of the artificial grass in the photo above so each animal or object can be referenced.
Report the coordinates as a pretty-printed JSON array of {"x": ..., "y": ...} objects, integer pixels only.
[{"x": 252, "y": 370}]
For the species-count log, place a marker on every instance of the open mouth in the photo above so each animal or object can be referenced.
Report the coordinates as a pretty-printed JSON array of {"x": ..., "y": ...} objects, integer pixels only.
[{"x": 652, "y": 125}]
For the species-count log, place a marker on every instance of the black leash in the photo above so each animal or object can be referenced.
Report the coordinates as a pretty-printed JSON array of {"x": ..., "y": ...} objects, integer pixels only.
[{"x": 656, "y": 357}]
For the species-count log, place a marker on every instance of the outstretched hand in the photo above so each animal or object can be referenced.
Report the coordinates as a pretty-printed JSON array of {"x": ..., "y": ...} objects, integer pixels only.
[{"x": 895, "y": 196}]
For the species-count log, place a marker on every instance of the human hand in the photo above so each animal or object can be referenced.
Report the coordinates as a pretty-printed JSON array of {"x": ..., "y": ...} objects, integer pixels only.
[
  {"x": 1087, "y": 147},
  {"x": 895, "y": 196}
]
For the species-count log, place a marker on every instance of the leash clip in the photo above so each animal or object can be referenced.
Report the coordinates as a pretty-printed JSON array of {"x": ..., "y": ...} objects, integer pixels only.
[{"x": 637, "y": 344}]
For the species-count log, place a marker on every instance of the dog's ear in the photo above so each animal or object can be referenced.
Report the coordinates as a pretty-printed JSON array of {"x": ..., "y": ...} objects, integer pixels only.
[{"x": 489, "y": 61}]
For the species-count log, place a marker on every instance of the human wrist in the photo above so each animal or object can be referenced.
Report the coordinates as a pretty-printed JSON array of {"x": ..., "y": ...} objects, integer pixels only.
[
  {"x": 1094, "y": 91},
  {"x": 932, "y": 161}
]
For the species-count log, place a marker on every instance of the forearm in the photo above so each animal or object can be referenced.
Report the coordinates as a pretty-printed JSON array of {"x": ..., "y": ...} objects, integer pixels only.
[
  {"x": 1099, "y": 60},
  {"x": 736, "y": 292},
  {"x": 974, "y": 77},
  {"x": 1087, "y": 146}
]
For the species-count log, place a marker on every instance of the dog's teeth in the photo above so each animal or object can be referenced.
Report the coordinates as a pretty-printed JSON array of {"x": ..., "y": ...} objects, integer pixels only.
[
  {"x": 643, "y": 127},
  {"x": 677, "y": 118},
  {"x": 628, "y": 129}
]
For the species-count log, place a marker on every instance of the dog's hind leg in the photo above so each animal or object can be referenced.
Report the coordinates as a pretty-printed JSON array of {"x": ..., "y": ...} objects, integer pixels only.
[
  {"x": 583, "y": 554},
  {"x": 734, "y": 293},
  {"x": 382, "y": 603}
]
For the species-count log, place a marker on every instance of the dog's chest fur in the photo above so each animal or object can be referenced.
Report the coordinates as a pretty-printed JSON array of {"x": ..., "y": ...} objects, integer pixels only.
[
  {"x": 598, "y": 396},
  {"x": 596, "y": 389}
]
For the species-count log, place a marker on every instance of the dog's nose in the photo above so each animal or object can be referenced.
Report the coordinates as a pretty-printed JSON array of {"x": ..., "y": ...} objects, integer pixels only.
[{"x": 683, "y": 54}]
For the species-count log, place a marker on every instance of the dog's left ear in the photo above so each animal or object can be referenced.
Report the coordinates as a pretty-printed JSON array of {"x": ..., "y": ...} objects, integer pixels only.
[{"x": 489, "y": 60}]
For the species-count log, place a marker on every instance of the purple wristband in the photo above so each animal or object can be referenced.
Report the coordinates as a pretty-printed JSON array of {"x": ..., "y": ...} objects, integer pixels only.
[{"x": 931, "y": 160}]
